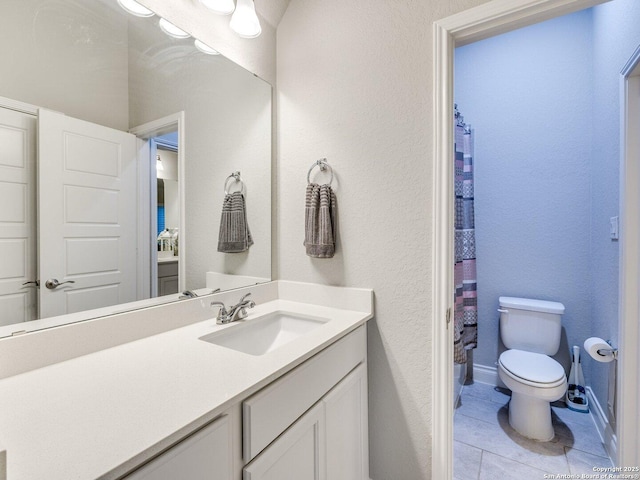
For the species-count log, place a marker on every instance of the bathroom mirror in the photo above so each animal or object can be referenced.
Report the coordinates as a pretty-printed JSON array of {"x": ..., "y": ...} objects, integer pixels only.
[{"x": 96, "y": 64}]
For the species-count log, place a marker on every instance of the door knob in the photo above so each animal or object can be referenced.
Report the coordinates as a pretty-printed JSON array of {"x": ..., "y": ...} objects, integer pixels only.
[
  {"x": 35, "y": 283},
  {"x": 54, "y": 283}
]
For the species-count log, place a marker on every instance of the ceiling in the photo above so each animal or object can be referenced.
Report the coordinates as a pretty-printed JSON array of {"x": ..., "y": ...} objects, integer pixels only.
[{"x": 272, "y": 10}]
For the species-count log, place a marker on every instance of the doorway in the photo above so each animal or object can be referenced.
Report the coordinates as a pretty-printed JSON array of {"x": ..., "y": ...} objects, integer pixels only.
[
  {"x": 157, "y": 139},
  {"x": 479, "y": 23}
]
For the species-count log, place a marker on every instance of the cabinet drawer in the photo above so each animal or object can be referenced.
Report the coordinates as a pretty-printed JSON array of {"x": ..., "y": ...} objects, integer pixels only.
[
  {"x": 168, "y": 269},
  {"x": 272, "y": 410}
]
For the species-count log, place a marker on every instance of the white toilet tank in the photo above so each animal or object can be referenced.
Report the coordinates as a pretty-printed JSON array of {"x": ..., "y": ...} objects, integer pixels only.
[{"x": 530, "y": 325}]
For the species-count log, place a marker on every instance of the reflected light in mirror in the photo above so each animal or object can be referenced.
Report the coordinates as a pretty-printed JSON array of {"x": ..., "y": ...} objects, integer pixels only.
[
  {"x": 244, "y": 20},
  {"x": 204, "y": 48},
  {"x": 221, "y": 7},
  {"x": 134, "y": 8},
  {"x": 171, "y": 30}
]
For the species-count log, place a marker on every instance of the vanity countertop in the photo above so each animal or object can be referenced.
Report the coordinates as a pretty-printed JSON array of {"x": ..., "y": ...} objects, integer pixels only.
[{"x": 102, "y": 414}]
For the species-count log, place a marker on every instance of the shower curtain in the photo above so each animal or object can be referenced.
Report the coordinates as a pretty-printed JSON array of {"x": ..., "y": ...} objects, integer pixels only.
[{"x": 466, "y": 300}]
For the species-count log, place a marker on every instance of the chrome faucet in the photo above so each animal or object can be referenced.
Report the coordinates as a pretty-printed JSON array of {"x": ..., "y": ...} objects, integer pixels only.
[
  {"x": 192, "y": 294},
  {"x": 236, "y": 312}
]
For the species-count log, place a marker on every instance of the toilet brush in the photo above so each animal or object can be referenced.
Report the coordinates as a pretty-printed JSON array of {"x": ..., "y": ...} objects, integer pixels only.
[{"x": 576, "y": 397}]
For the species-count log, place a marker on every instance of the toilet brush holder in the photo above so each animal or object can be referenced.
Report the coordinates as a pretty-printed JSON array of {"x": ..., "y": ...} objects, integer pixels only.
[{"x": 576, "y": 397}]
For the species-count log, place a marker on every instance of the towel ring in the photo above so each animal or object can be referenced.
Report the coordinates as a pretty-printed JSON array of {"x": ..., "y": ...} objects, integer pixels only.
[
  {"x": 236, "y": 177},
  {"x": 323, "y": 165}
]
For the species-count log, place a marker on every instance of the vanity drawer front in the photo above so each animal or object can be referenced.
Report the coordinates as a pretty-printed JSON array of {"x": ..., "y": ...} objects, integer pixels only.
[{"x": 272, "y": 410}]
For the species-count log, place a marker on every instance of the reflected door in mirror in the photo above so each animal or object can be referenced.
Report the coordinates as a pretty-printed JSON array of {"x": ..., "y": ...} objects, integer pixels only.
[
  {"x": 87, "y": 215},
  {"x": 17, "y": 217}
]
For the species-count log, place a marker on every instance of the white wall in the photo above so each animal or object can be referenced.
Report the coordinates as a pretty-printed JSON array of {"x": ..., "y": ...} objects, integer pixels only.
[
  {"x": 355, "y": 86},
  {"x": 227, "y": 129},
  {"x": 258, "y": 55},
  {"x": 55, "y": 56}
]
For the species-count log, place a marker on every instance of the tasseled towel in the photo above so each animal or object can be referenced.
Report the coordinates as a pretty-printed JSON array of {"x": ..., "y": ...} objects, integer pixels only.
[
  {"x": 234, "y": 234},
  {"x": 319, "y": 221}
]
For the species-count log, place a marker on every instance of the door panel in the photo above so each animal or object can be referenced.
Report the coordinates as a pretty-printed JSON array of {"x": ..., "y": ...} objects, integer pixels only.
[
  {"x": 17, "y": 217},
  {"x": 298, "y": 454},
  {"x": 87, "y": 214}
]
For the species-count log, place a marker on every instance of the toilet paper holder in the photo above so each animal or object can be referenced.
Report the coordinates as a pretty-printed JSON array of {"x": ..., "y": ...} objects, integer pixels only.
[{"x": 607, "y": 352}]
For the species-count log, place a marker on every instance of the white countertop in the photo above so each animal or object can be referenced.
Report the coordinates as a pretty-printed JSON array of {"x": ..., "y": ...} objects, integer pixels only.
[{"x": 101, "y": 414}]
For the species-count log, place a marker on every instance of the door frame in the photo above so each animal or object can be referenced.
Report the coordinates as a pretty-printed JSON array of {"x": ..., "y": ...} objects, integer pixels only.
[
  {"x": 146, "y": 244},
  {"x": 487, "y": 20},
  {"x": 627, "y": 390}
]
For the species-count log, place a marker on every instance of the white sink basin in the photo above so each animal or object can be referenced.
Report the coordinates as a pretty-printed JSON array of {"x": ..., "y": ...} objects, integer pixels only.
[{"x": 265, "y": 334}]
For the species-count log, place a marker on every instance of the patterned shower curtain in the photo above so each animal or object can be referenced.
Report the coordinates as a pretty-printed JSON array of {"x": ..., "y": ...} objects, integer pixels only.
[{"x": 466, "y": 300}]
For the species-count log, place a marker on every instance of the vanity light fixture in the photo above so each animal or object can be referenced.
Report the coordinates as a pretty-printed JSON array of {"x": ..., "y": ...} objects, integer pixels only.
[
  {"x": 204, "y": 48},
  {"x": 221, "y": 7},
  {"x": 134, "y": 8},
  {"x": 244, "y": 20},
  {"x": 170, "y": 29}
]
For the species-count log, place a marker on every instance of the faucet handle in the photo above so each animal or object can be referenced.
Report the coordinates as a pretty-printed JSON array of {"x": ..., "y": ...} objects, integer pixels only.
[
  {"x": 244, "y": 297},
  {"x": 223, "y": 308}
]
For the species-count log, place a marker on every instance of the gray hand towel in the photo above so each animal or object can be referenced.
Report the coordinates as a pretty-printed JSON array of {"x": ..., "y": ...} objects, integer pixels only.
[
  {"x": 319, "y": 221},
  {"x": 234, "y": 233}
]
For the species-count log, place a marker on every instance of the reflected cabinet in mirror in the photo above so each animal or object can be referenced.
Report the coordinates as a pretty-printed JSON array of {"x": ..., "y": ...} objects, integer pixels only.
[{"x": 134, "y": 167}]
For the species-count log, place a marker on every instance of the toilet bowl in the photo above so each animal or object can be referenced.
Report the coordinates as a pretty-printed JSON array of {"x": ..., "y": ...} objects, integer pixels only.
[
  {"x": 535, "y": 380},
  {"x": 531, "y": 329}
]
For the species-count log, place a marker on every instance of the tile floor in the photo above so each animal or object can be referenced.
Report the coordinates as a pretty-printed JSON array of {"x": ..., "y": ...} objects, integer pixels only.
[{"x": 486, "y": 447}]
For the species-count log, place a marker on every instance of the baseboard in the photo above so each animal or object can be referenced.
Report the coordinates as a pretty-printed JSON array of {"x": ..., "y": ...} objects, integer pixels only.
[
  {"x": 607, "y": 435},
  {"x": 485, "y": 374}
]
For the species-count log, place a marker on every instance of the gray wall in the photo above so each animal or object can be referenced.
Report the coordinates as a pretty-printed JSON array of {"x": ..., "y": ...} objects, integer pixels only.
[
  {"x": 545, "y": 105},
  {"x": 528, "y": 96},
  {"x": 616, "y": 37}
]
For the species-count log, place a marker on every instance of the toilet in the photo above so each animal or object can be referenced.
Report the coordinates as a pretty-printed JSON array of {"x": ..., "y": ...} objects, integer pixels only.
[{"x": 530, "y": 329}]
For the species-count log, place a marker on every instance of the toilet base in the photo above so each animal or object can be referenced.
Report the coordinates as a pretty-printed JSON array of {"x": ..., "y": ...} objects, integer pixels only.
[{"x": 531, "y": 417}]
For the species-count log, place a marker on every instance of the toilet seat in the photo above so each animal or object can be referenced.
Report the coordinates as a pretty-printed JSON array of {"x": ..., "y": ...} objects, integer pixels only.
[{"x": 533, "y": 369}]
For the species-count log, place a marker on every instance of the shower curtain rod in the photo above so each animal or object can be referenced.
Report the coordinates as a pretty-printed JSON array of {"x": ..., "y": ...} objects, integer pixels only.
[{"x": 460, "y": 119}]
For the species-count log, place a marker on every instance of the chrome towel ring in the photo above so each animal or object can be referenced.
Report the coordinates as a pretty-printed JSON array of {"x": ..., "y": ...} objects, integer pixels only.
[
  {"x": 323, "y": 165},
  {"x": 236, "y": 177}
]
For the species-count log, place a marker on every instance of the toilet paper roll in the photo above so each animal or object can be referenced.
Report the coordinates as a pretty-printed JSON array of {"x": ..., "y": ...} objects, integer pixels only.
[{"x": 593, "y": 344}]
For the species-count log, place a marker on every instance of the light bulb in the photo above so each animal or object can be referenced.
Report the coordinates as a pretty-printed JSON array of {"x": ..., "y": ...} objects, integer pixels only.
[
  {"x": 204, "y": 48},
  {"x": 171, "y": 30},
  {"x": 244, "y": 20},
  {"x": 134, "y": 8},
  {"x": 221, "y": 7}
]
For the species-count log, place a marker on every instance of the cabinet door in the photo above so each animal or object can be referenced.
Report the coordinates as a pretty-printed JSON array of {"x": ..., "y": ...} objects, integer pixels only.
[
  {"x": 205, "y": 455},
  {"x": 299, "y": 454},
  {"x": 347, "y": 428}
]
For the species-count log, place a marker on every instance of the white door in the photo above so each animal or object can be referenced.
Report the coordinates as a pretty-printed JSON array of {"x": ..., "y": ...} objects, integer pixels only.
[
  {"x": 18, "y": 302},
  {"x": 347, "y": 431},
  {"x": 87, "y": 181},
  {"x": 298, "y": 454}
]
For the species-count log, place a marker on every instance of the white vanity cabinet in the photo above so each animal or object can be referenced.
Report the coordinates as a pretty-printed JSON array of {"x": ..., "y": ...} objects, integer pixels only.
[
  {"x": 167, "y": 277},
  {"x": 204, "y": 455},
  {"x": 330, "y": 440},
  {"x": 309, "y": 424}
]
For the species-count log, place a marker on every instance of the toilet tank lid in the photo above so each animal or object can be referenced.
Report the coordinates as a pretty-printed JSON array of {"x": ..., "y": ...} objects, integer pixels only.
[{"x": 532, "y": 305}]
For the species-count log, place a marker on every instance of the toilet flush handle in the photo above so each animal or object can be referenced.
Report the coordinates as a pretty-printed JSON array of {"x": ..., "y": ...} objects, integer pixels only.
[{"x": 502, "y": 310}]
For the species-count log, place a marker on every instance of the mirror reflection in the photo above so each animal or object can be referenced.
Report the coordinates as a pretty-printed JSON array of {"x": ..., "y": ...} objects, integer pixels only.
[{"x": 117, "y": 143}]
